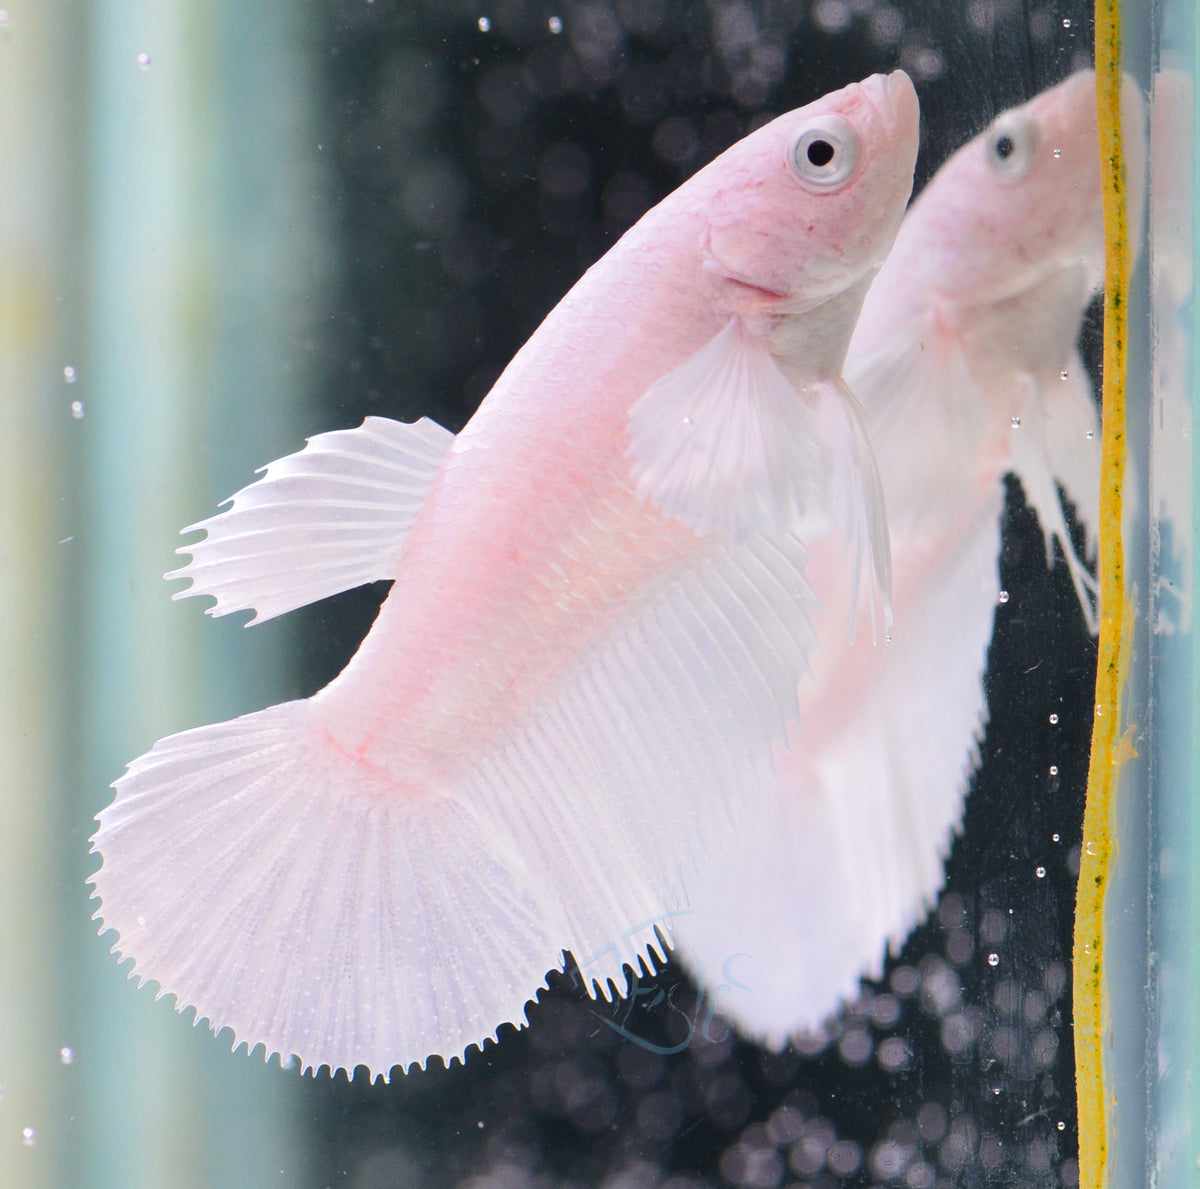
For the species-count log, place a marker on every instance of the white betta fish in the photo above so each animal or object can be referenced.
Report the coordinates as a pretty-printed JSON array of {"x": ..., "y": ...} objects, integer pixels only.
[
  {"x": 965, "y": 358},
  {"x": 598, "y": 619}
]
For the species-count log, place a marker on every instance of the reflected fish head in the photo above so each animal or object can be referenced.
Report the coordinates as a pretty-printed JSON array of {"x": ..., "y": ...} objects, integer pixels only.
[
  {"x": 1018, "y": 205},
  {"x": 809, "y": 204}
]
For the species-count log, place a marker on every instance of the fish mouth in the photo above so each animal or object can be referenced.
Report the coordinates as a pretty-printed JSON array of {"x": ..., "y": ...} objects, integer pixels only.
[
  {"x": 892, "y": 95},
  {"x": 741, "y": 284}
]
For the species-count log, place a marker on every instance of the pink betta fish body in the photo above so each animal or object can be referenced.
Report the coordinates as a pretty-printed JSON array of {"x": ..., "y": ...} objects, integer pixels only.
[
  {"x": 965, "y": 359},
  {"x": 598, "y": 619}
]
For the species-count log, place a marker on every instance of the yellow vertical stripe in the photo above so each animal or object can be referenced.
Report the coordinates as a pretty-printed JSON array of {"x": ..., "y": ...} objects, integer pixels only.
[{"x": 1116, "y": 622}]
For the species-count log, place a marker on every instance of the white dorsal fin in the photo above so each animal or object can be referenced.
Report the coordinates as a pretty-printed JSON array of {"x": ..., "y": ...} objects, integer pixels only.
[
  {"x": 325, "y": 519},
  {"x": 286, "y": 889},
  {"x": 724, "y": 443}
]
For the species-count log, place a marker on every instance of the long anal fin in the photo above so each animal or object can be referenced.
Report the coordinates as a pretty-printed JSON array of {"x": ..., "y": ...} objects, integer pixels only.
[{"x": 325, "y": 519}]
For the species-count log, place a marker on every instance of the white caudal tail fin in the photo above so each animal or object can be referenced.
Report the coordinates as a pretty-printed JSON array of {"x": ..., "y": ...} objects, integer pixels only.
[{"x": 254, "y": 872}]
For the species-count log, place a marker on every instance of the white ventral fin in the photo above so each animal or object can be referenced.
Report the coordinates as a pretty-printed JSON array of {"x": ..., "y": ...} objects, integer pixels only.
[
  {"x": 323, "y": 520},
  {"x": 854, "y": 495},
  {"x": 724, "y": 442}
]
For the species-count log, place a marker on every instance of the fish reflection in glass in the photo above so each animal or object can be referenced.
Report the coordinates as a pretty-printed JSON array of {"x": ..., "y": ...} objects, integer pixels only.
[
  {"x": 966, "y": 361},
  {"x": 598, "y": 620}
]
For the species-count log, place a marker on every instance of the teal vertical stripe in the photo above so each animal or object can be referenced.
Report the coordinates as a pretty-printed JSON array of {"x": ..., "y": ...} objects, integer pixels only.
[{"x": 198, "y": 274}]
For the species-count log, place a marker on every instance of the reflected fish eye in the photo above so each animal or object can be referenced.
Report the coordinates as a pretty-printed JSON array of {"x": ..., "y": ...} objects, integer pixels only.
[
  {"x": 1012, "y": 147},
  {"x": 823, "y": 152}
]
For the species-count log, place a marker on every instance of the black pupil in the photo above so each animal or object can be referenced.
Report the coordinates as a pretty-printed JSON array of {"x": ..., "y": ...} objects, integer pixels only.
[
  {"x": 820, "y": 153},
  {"x": 1005, "y": 148}
]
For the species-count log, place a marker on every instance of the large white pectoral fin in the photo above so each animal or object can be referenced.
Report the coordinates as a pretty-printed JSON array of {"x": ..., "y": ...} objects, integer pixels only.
[
  {"x": 724, "y": 442},
  {"x": 854, "y": 493},
  {"x": 325, "y": 519}
]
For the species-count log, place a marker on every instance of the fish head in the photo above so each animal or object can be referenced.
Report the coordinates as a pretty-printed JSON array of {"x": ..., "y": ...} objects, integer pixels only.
[
  {"x": 809, "y": 204},
  {"x": 1020, "y": 205}
]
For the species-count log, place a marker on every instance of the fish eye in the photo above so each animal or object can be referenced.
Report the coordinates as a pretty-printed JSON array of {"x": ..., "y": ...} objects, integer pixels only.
[
  {"x": 1012, "y": 147},
  {"x": 823, "y": 152}
]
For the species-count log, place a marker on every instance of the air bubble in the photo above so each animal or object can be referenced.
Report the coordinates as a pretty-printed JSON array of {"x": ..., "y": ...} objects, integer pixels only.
[
  {"x": 1040, "y": 872},
  {"x": 1053, "y": 719},
  {"x": 70, "y": 374},
  {"x": 1055, "y": 837},
  {"x": 1016, "y": 423},
  {"x": 1066, "y": 22},
  {"x": 66, "y": 1055},
  {"x": 555, "y": 24},
  {"x": 1058, "y": 157},
  {"x": 1062, "y": 1125},
  {"x": 1091, "y": 433},
  {"x": 484, "y": 24},
  {"x": 1003, "y": 596},
  {"x": 1099, "y": 709},
  {"x": 1053, "y": 769},
  {"x": 143, "y": 61},
  {"x": 28, "y": 1136},
  {"x": 4, "y": 20},
  {"x": 1064, "y": 374},
  {"x": 78, "y": 410},
  {"x": 993, "y": 959}
]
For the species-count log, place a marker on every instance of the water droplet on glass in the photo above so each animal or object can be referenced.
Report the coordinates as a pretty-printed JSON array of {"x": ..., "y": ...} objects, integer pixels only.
[
  {"x": 69, "y": 374},
  {"x": 1016, "y": 423},
  {"x": 993, "y": 959},
  {"x": 78, "y": 410},
  {"x": 484, "y": 24},
  {"x": 1053, "y": 719},
  {"x": 1058, "y": 157},
  {"x": 28, "y": 1136},
  {"x": 66, "y": 1055},
  {"x": 1003, "y": 596},
  {"x": 1053, "y": 769},
  {"x": 555, "y": 24},
  {"x": 1040, "y": 872}
]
